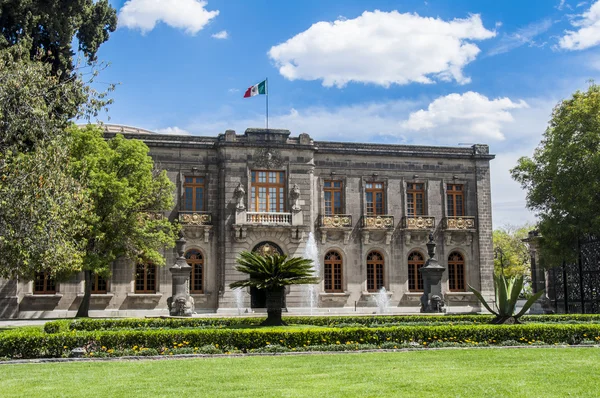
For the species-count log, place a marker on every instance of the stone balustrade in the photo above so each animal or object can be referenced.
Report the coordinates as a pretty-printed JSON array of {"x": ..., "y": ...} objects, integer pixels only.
[{"x": 268, "y": 218}]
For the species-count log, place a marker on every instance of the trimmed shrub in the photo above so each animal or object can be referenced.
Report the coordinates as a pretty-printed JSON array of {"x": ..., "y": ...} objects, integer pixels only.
[
  {"x": 332, "y": 321},
  {"x": 19, "y": 344}
]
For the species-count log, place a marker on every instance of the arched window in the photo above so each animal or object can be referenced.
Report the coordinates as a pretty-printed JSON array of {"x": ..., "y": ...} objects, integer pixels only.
[
  {"x": 456, "y": 272},
  {"x": 415, "y": 262},
  {"x": 375, "y": 265},
  {"x": 333, "y": 272},
  {"x": 196, "y": 261},
  {"x": 145, "y": 278}
]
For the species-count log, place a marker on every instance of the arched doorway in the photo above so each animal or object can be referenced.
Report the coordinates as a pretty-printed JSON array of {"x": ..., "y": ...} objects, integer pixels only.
[{"x": 258, "y": 297}]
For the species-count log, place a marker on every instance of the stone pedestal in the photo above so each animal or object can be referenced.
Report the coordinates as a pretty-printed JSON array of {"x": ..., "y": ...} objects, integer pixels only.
[
  {"x": 180, "y": 303},
  {"x": 432, "y": 299}
]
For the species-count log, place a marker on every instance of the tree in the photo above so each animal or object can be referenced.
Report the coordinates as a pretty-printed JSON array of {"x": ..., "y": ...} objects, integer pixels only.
[
  {"x": 128, "y": 195},
  {"x": 47, "y": 28},
  {"x": 272, "y": 273},
  {"x": 562, "y": 178},
  {"x": 42, "y": 207},
  {"x": 511, "y": 253}
]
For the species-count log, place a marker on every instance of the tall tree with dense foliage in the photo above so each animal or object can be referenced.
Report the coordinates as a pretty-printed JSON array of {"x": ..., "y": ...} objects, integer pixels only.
[
  {"x": 562, "y": 178},
  {"x": 128, "y": 197},
  {"x": 272, "y": 273},
  {"x": 42, "y": 207},
  {"x": 47, "y": 29}
]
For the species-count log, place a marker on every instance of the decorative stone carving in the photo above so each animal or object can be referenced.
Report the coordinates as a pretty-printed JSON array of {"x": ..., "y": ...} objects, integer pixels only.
[
  {"x": 295, "y": 196},
  {"x": 239, "y": 195},
  {"x": 337, "y": 221},
  {"x": 378, "y": 222},
  {"x": 180, "y": 303},
  {"x": 194, "y": 218},
  {"x": 267, "y": 158},
  {"x": 459, "y": 223},
  {"x": 432, "y": 299},
  {"x": 419, "y": 223}
]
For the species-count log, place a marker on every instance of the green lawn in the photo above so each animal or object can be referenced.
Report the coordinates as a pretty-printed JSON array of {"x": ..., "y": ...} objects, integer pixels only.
[{"x": 541, "y": 372}]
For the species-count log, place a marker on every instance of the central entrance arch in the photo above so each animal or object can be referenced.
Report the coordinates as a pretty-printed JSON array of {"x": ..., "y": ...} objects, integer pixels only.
[{"x": 258, "y": 297}]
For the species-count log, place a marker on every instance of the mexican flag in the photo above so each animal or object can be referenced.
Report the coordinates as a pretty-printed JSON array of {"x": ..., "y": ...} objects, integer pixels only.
[{"x": 260, "y": 88}]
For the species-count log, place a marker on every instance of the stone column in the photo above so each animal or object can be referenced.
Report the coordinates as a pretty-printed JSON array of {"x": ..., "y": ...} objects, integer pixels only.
[{"x": 432, "y": 299}]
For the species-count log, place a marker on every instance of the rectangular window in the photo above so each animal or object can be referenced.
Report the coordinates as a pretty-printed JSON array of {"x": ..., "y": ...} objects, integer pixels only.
[
  {"x": 99, "y": 285},
  {"x": 267, "y": 191},
  {"x": 193, "y": 194},
  {"x": 145, "y": 278},
  {"x": 415, "y": 199},
  {"x": 455, "y": 200},
  {"x": 333, "y": 197},
  {"x": 374, "y": 198},
  {"x": 44, "y": 283}
]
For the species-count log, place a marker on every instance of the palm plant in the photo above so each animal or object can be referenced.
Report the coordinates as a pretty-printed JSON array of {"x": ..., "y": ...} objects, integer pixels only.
[
  {"x": 272, "y": 273},
  {"x": 507, "y": 290}
]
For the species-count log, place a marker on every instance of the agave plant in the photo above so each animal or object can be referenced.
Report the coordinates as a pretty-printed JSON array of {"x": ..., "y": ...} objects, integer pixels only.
[
  {"x": 507, "y": 291},
  {"x": 272, "y": 273}
]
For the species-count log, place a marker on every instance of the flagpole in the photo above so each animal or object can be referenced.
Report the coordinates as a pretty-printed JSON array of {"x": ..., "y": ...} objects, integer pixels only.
[{"x": 267, "y": 99}]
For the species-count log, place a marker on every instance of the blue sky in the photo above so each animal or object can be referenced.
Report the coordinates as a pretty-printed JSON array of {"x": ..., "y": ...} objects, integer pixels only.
[{"x": 433, "y": 72}]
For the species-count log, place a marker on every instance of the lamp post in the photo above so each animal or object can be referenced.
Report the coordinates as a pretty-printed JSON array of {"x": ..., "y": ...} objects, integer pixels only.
[
  {"x": 432, "y": 299},
  {"x": 180, "y": 303}
]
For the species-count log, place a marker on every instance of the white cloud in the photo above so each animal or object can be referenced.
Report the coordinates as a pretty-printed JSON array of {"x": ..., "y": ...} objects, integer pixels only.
[
  {"x": 382, "y": 48},
  {"x": 173, "y": 131},
  {"x": 221, "y": 35},
  {"x": 470, "y": 115},
  {"x": 588, "y": 33},
  {"x": 189, "y": 15},
  {"x": 525, "y": 35}
]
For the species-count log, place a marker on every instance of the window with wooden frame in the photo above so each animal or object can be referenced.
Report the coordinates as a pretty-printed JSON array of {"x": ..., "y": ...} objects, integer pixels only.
[
  {"x": 99, "y": 284},
  {"x": 456, "y": 272},
  {"x": 333, "y": 192},
  {"x": 415, "y": 262},
  {"x": 375, "y": 264},
  {"x": 44, "y": 283},
  {"x": 145, "y": 278},
  {"x": 267, "y": 191},
  {"x": 455, "y": 200},
  {"x": 333, "y": 272},
  {"x": 375, "y": 198},
  {"x": 195, "y": 260},
  {"x": 415, "y": 199},
  {"x": 193, "y": 193}
]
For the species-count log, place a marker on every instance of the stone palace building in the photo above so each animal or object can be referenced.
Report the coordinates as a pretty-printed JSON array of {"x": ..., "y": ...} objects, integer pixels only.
[{"x": 370, "y": 207}]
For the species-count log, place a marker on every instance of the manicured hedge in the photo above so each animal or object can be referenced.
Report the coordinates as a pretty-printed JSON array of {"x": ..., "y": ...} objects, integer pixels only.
[
  {"x": 16, "y": 344},
  {"x": 328, "y": 321}
]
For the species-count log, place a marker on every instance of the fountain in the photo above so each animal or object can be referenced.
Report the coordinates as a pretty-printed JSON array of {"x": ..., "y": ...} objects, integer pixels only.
[
  {"x": 382, "y": 299},
  {"x": 239, "y": 300},
  {"x": 311, "y": 292}
]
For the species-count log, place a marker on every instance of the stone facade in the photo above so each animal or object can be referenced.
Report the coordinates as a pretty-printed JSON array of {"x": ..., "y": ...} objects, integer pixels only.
[{"x": 231, "y": 222}]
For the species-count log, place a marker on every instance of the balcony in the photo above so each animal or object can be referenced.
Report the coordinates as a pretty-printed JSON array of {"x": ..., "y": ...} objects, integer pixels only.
[
  {"x": 415, "y": 229},
  {"x": 458, "y": 223},
  {"x": 378, "y": 222},
  {"x": 196, "y": 224},
  {"x": 377, "y": 228},
  {"x": 268, "y": 218},
  {"x": 336, "y": 226},
  {"x": 418, "y": 223},
  {"x": 458, "y": 230}
]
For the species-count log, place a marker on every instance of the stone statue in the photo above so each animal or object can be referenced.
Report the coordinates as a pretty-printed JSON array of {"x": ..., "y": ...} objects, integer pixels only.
[
  {"x": 295, "y": 196},
  {"x": 239, "y": 194},
  {"x": 181, "y": 306}
]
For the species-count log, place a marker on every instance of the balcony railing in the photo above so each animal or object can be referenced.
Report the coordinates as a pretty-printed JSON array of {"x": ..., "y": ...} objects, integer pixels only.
[
  {"x": 458, "y": 223},
  {"x": 418, "y": 223},
  {"x": 195, "y": 218},
  {"x": 378, "y": 222},
  {"x": 269, "y": 218},
  {"x": 337, "y": 221}
]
